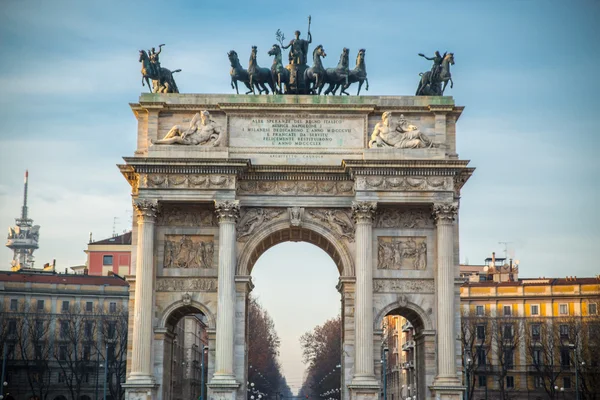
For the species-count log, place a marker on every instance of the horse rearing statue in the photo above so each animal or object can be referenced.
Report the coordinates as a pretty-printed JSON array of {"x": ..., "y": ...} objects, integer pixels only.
[
  {"x": 432, "y": 86},
  {"x": 316, "y": 73},
  {"x": 338, "y": 76},
  {"x": 358, "y": 74},
  {"x": 259, "y": 76},
  {"x": 279, "y": 74},
  {"x": 238, "y": 73},
  {"x": 162, "y": 83}
]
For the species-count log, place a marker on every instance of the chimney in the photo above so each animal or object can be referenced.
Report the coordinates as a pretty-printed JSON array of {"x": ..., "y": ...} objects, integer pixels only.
[{"x": 85, "y": 271}]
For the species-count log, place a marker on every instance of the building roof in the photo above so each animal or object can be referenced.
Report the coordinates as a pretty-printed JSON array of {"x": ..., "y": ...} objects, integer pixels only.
[
  {"x": 124, "y": 239},
  {"x": 64, "y": 279},
  {"x": 570, "y": 280}
]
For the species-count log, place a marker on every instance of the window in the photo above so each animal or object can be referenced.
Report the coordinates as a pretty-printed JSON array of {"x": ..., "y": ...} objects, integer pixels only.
[
  {"x": 89, "y": 306},
  {"x": 39, "y": 328},
  {"x": 479, "y": 310},
  {"x": 535, "y": 309},
  {"x": 535, "y": 331},
  {"x": 538, "y": 382},
  {"x": 563, "y": 309},
  {"x": 14, "y": 303},
  {"x": 592, "y": 309},
  {"x": 509, "y": 358},
  {"x": 564, "y": 331},
  {"x": 65, "y": 306},
  {"x": 64, "y": 328},
  {"x": 61, "y": 377},
  {"x": 86, "y": 378},
  {"x": 40, "y": 305},
  {"x": 10, "y": 351},
  {"x": 510, "y": 382},
  {"x": 537, "y": 358},
  {"x": 88, "y": 329},
  {"x": 111, "y": 330},
  {"x": 37, "y": 354},
  {"x": 62, "y": 352},
  {"x": 482, "y": 380},
  {"x": 507, "y": 331},
  {"x": 111, "y": 353},
  {"x": 481, "y": 356},
  {"x": 112, "y": 307},
  {"x": 507, "y": 311},
  {"x": 481, "y": 332},
  {"x": 12, "y": 327},
  {"x": 567, "y": 382},
  {"x": 565, "y": 357},
  {"x": 87, "y": 349},
  {"x": 107, "y": 260}
]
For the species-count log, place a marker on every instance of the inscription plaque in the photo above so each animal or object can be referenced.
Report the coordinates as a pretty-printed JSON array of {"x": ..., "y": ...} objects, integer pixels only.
[{"x": 292, "y": 130}]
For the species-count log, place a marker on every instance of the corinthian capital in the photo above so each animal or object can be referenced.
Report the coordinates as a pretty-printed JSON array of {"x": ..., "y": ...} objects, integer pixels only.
[
  {"x": 227, "y": 210},
  {"x": 146, "y": 209},
  {"x": 363, "y": 211},
  {"x": 445, "y": 212}
]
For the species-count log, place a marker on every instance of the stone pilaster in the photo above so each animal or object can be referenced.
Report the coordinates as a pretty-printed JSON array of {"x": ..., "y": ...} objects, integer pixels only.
[
  {"x": 364, "y": 383},
  {"x": 141, "y": 378},
  {"x": 223, "y": 382},
  {"x": 446, "y": 382}
]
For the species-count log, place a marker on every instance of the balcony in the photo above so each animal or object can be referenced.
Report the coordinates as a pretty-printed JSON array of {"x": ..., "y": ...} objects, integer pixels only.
[
  {"x": 408, "y": 365},
  {"x": 407, "y": 327},
  {"x": 408, "y": 345}
]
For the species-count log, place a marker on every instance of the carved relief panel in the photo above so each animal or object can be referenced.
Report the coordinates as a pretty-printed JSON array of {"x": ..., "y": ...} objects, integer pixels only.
[
  {"x": 402, "y": 252},
  {"x": 189, "y": 251},
  {"x": 188, "y": 215},
  {"x": 417, "y": 218}
]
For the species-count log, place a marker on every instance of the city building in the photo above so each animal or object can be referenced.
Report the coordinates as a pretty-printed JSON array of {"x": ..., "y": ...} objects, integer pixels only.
[
  {"x": 61, "y": 334},
  {"x": 529, "y": 338},
  {"x": 112, "y": 255},
  {"x": 400, "y": 360}
]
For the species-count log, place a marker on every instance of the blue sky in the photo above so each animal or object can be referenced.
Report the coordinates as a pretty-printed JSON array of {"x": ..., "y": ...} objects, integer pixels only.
[{"x": 525, "y": 70}]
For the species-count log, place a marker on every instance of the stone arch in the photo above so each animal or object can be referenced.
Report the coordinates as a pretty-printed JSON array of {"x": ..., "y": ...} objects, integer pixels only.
[
  {"x": 413, "y": 312},
  {"x": 281, "y": 231},
  {"x": 181, "y": 308}
]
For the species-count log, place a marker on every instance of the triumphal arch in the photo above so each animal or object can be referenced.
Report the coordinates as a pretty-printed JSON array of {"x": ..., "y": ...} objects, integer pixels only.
[{"x": 374, "y": 181}]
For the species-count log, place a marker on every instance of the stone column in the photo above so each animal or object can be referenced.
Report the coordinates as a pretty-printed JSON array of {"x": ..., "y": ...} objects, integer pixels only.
[
  {"x": 444, "y": 215},
  {"x": 224, "y": 377},
  {"x": 364, "y": 374},
  {"x": 141, "y": 349}
]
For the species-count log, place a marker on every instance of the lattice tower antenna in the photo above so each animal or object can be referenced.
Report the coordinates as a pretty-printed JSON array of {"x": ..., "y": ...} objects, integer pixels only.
[
  {"x": 505, "y": 248},
  {"x": 115, "y": 219}
]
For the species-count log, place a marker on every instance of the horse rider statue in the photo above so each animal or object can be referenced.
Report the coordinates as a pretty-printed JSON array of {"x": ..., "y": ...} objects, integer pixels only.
[
  {"x": 299, "y": 49},
  {"x": 154, "y": 61},
  {"x": 437, "y": 63}
]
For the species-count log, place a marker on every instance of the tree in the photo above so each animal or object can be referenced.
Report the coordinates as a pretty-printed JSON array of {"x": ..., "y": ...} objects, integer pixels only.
[
  {"x": 589, "y": 355},
  {"x": 264, "y": 370},
  {"x": 35, "y": 349},
  {"x": 322, "y": 352},
  {"x": 73, "y": 347},
  {"x": 113, "y": 329},
  {"x": 506, "y": 337},
  {"x": 476, "y": 343}
]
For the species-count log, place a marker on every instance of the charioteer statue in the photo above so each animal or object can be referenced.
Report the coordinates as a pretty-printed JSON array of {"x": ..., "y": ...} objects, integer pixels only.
[
  {"x": 434, "y": 82},
  {"x": 297, "y": 57},
  {"x": 162, "y": 78}
]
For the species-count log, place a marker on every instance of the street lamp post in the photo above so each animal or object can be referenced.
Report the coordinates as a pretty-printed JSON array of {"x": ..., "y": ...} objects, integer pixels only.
[
  {"x": 105, "y": 370},
  {"x": 468, "y": 362},
  {"x": 3, "y": 370},
  {"x": 204, "y": 349},
  {"x": 385, "y": 352}
]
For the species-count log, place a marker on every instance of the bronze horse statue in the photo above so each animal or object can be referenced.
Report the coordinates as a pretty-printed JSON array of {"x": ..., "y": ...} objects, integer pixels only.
[
  {"x": 432, "y": 85},
  {"x": 162, "y": 83},
  {"x": 316, "y": 73},
  {"x": 358, "y": 74},
  {"x": 338, "y": 76},
  {"x": 259, "y": 76},
  {"x": 238, "y": 73},
  {"x": 279, "y": 74}
]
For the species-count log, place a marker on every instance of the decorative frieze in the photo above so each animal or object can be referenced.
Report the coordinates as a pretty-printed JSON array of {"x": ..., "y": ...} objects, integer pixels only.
[
  {"x": 403, "y": 285},
  {"x": 410, "y": 183},
  {"x": 337, "y": 220},
  {"x": 402, "y": 253},
  {"x": 253, "y": 218},
  {"x": 188, "y": 215},
  {"x": 189, "y": 251},
  {"x": 417, "y": 218},
  {"x": 187, "y": 181},
  {"x": 294, "y": 188},
  {"x": 186, "y": 284}
]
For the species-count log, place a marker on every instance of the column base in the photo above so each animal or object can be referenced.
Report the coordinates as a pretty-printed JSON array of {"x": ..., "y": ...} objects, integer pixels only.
[
  {"x": 447, "y": 388},
  {"x": 364, "y": 388},
  {"x": 135, "y": 390},
  {"x": 223, "y": 387}
]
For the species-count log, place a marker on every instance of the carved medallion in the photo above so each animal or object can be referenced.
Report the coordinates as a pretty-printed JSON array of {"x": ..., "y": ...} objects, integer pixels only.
[
  {"x": 186, "y": 284},
  {"x": 338, "y": 220},
  {"x": 403, "y": 285},
  {"x": 253, "y": 218},
  {"x": 189, "y": 251},
  {"x": 401, "y": 253}
]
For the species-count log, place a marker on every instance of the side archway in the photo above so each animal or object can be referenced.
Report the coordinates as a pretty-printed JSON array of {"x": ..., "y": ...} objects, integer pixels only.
[
  {"x": 175, "y": 311},
  {"x": 309, "y": 232},
  {"x": 413, "y": 312}
]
